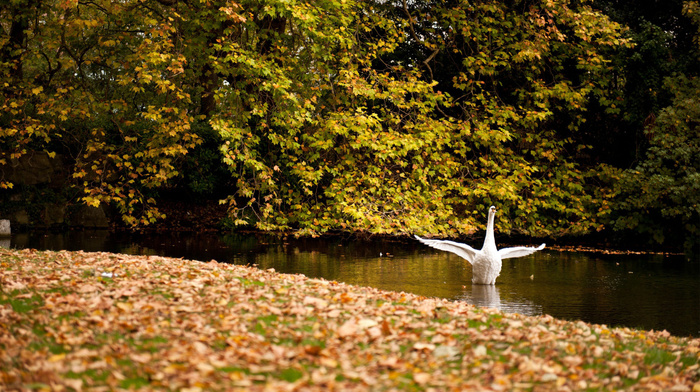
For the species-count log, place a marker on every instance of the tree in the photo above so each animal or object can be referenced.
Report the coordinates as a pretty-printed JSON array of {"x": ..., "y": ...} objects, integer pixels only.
[
  {"x": 523, "y": 76},
  {"x": 663, "y": 37},
  {"x": 384, "y": 117},
  {"x": 659, "y": 197},
  {"x": 102, "y": 83}
]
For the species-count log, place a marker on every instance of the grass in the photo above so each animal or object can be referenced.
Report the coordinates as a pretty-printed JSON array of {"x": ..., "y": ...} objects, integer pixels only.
[{"x": 21, "y": 301}]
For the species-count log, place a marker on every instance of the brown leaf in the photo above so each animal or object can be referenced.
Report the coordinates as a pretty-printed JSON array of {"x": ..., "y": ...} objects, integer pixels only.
[
  {"x": 316, "y": 302},
  {"x": 141, "y": 357},
  {"x": 348, "y": 328}
]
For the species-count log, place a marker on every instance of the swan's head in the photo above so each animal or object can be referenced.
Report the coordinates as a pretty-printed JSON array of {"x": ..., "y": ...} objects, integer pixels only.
[{"x": 492, "y": 210}]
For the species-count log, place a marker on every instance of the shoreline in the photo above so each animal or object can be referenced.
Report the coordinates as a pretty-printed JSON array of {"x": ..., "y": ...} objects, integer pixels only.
[
  {"x": 565, "y": 245},
  {"x": 102, "y": 321}
]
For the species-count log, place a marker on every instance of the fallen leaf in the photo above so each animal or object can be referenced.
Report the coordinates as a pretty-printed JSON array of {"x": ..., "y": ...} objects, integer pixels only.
[
  {"x": 424, "y": 346},
  {"x": 421, "y": 378},
  {"x": 316, "y": 302},
  {"x": 479, "y": 351},
  {"x": 366, "y": 323},
  {"x": 217, "y": 326},
  {"x": 449, "y": 353},
  {"x": 141, "y": 357},
  {"x": 348, "y": 328},
  {"x": 548, "y": 377}
]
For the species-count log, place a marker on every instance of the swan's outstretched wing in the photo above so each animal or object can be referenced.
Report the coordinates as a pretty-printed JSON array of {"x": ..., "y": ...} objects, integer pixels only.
[
  {"x": 518, "y": 251},
  {"x": 462, "y": 250}
]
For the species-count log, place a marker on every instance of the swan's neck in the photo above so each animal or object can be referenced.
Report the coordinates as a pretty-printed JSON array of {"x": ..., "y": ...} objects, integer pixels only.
[{"x": 490, "y": 240}]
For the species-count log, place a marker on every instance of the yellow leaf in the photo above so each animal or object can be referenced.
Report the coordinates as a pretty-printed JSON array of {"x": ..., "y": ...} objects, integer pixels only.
[{"x": 37, "y": 90}]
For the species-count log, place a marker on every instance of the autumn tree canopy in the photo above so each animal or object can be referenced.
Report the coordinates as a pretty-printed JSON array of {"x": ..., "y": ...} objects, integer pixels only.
[{"x": 383, "y": 117}]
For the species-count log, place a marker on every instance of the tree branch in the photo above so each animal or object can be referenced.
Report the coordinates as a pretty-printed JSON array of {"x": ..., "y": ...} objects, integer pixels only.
[{"x": 415, "y": 37}]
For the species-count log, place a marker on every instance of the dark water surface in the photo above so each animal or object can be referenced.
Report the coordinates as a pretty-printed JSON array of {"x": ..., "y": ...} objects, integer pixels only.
[{"x": 647, "y": 291}]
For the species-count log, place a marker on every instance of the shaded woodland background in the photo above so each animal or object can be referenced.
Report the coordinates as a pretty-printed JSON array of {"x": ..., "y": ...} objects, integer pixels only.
[{"x": 574, "y": 117}]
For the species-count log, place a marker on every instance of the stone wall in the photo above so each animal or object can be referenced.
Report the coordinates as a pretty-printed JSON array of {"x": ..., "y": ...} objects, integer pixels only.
[
  {"x": 5, "y": 232},
  {"x": 35, "y": 168},
  {"x": 5, "y": 228}
]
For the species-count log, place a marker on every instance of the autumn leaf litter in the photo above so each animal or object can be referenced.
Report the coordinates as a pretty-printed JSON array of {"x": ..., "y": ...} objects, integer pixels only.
[{"x": 101, "y": 321}]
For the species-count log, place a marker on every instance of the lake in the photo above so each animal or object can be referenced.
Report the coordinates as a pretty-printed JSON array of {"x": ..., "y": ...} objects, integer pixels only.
[{"x": 639, "y": 291}]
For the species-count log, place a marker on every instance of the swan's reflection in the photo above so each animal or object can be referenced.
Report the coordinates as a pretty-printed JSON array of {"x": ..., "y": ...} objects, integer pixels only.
[{"x": 488, "y": 296}]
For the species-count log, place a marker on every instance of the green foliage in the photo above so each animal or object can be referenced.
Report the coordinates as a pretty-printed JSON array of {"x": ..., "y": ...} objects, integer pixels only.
[
  {"x": 664, "y": 46},
  {"x": 661, "y": 196},
  {"x": 202, "y": 172}
]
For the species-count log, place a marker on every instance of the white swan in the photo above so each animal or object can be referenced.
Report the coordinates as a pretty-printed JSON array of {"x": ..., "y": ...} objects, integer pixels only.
[{"x": 486, "y": 263}]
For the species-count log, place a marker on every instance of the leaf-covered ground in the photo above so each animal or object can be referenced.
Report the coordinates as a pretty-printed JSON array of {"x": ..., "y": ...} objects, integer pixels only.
[{"x": 100, "y": 321}]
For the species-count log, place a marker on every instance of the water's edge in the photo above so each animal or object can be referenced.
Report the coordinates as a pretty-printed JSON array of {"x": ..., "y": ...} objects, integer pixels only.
[{"x": 640, "y": 291}]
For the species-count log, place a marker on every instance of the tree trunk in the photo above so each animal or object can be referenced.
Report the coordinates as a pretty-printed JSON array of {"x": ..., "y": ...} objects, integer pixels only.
[{"x": 11, "y": 52}]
